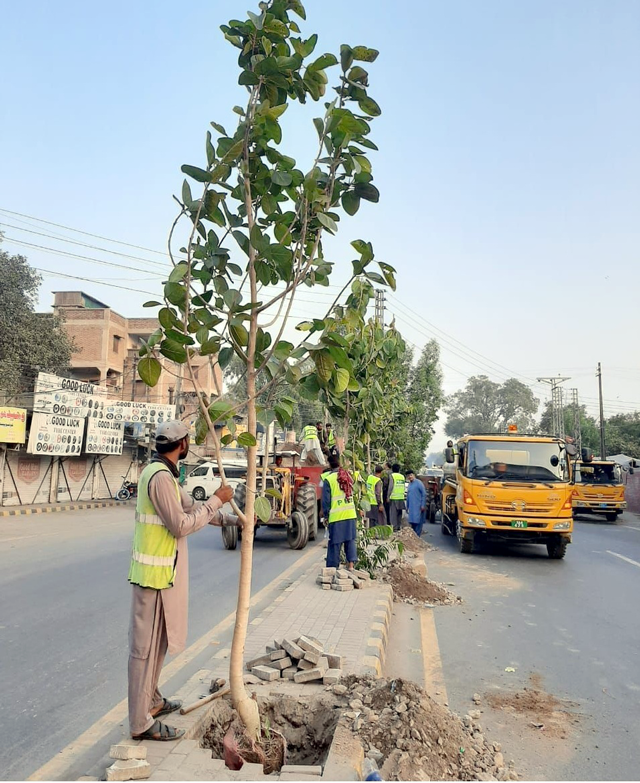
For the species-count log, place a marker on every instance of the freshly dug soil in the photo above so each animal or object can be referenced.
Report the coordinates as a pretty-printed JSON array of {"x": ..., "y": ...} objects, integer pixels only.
[
  {"x": 411, "y": 587},
  {"x": 411, "y": 541},
  {"x": 412, "y": 737}
]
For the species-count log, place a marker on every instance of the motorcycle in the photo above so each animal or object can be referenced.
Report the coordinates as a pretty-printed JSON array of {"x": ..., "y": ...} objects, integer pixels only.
[{"x": 128, "y": 490}]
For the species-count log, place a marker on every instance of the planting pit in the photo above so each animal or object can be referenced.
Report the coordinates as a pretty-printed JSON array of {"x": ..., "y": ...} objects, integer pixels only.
[{"x": 307, "y": 722}]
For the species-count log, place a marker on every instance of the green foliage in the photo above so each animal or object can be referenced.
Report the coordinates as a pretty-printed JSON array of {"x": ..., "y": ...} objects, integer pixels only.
[
  {"x": 29, "y": 341},
  {"x": 374, "y": 547},
  {"x": 622, "y": 435},
  {"x": 486, "y": 406}
]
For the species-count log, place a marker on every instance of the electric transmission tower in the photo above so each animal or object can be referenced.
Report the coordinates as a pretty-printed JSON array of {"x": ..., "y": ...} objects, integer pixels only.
[
  {"x": 557, "y": 406},
  {"x": 577, "y": 427},
  {"x": 379, "y": 307}
]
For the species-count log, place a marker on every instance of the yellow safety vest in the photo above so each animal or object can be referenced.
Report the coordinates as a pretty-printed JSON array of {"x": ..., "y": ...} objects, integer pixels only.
[
  {"x": 331, "y": 440},
  {"x": 397, "y": 493},
  {"x": 341, "y": 508},
  {"x": 153, "y": 556},
  {"x": 372, "y": 482},
  {"x": 310, "y": 432}
]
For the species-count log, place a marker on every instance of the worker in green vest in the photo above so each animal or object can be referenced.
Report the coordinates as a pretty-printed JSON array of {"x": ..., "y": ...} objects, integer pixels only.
[
  {"x": 311, "y": 445},
  {"x": 159, "y": 575},
  {"x": 332, "y": 445},
  {"x": 396, "y": 496},
  {"x": 375, "y": 515},
  {"x": 340, "y": 512}
]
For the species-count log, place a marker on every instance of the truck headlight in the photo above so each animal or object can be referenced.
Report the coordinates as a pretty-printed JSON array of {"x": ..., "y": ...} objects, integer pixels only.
[
  {"x": 579, "y": 503},
  {"x": 476, "y": 522},
  {"x": 562, "y": 526}
]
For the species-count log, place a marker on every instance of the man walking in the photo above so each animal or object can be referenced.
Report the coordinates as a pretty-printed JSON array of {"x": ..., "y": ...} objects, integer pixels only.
[
  {"x": 311, "y": 445},
  {"x": 375, "y": 515},
  {"x": 159, "y": 574},
  {"x": 416, "y": 503},
  {"x": 396, "y": 497},
  {"x": 340, "y": 512}
]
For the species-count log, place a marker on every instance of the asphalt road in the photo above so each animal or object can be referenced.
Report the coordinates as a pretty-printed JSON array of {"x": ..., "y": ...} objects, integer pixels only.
[
  {"x": 64, "y": 619},
  {"x": 569, "y": 628}
]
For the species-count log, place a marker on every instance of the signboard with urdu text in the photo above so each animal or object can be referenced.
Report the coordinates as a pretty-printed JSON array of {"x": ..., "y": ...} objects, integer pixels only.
[
  {"x": 13, "y": 425},
  {"x": 57, "y": 436}
]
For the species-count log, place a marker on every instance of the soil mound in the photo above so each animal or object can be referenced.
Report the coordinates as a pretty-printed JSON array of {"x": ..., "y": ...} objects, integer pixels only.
[
  {"x": 411, "y": 587},
  {"x": 411, "y": 541}
]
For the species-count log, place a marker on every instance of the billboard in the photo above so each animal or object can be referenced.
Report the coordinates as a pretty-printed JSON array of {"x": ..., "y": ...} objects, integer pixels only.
[
  {"x": 134, "y": 412},
  {"x": 104, "y": 437},
  {"x": 68, "y": 397},
  {"x": 55, "y": 435},
  {"x": 13, "y": 425}
]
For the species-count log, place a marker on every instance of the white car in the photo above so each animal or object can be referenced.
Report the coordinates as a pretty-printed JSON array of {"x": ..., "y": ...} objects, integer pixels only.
[{"x": 203, "y": 481}]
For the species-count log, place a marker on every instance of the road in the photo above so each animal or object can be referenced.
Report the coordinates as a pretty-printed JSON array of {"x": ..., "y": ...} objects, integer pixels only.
[
  {"x": 568, "y": 628},
  {"x": 65, "y": 610}
]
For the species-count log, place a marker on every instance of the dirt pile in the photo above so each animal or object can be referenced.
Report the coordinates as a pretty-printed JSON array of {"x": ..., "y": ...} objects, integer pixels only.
[
  {"x": 411, "y": 541},
  {"x": 411, "y": 737},
  {"x": 413, "y": 588}
]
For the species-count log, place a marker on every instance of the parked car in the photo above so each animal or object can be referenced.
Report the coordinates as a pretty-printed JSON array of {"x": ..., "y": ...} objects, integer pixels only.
[{"x": 204, "y": 480}]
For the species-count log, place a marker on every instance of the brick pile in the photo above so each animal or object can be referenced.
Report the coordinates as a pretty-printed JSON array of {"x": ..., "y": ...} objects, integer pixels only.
[
  {"x": 342, "y": 580},
  {"x": 302, "y": 660},
  {"x": 130, "y": 764}
]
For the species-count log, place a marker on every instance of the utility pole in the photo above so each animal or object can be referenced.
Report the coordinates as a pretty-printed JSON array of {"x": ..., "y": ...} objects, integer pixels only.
[
  {"x": 603, "y": 451},
  {"x": 134, "y": 370},
  {"x": 178, "y": 391},
  {"x": 379, "y": 307},
  {"x": 556, "y": 402},
  {"x": 577, "y": 424}
]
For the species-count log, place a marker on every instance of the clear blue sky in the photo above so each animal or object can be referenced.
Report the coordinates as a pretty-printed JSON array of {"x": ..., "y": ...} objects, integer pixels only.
[{"x": 509, "y": 163}]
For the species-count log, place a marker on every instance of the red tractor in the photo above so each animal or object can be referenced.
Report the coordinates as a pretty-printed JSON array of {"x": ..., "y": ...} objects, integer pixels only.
[{"x": 296, "y": 508}]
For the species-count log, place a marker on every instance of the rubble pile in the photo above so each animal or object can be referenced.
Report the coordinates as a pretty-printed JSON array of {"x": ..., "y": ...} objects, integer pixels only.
[
  {"x": 410, "y": 540},
  {"x": 412, "y": 737},
  {"x": 302, "y": 659},
  {"x": 342, "y": 579},
  {"x": 413, "y": 588}
]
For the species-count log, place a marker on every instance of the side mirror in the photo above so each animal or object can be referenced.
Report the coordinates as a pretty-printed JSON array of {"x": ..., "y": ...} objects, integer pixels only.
[{"x": 449, "y": 455}]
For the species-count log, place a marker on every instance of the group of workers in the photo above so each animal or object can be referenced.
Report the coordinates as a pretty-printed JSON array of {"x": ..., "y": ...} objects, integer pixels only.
[{"x": 318, "y": 440}]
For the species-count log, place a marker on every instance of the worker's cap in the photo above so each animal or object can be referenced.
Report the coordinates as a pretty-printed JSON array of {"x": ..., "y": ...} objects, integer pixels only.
[{"x": 171, "y": 432}]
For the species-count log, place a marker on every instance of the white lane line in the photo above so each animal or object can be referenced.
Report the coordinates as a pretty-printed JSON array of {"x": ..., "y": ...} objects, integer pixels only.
[
  {"x": 629, "y": 527},
  {"x": 622, "y": 557}
]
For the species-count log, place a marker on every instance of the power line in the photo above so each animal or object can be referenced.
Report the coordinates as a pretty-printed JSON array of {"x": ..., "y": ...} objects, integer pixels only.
[{"x": 88, "y": 280}]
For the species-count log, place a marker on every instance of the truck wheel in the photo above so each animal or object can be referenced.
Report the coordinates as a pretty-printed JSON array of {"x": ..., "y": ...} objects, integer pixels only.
[
  {"x": 297, "y": 531},
  {"x": 306, "y": 503},
  {"x": 432, "y": 512},
  {"x": 230, "y": 537},
  {"x": 558, "y": 549},
  {"x": 611, "y": 517},
  {"x": 199, "y": 494},
  {"x": 466, "y": 544}
]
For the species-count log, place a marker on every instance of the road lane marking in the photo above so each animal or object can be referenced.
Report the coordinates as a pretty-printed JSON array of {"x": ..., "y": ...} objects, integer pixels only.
[
  {"x": 622, "y": 557},
  {"x": 434, "y": 683},
  {"x": 55, "y": 768},
  {"x": 629, "y": 527}
]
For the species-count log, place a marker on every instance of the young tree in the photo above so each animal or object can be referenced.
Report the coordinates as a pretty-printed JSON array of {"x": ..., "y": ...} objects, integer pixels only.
[
  {"x": 29, "y": 341},
  {"x": 219, "y": 303}
]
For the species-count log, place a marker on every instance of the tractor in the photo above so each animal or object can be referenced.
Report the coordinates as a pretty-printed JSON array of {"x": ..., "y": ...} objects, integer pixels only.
[{"x": 295, "y": 503}]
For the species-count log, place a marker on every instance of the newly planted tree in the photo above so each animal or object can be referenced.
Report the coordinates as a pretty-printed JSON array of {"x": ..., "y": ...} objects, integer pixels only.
[{"x": 257, "y": 227}]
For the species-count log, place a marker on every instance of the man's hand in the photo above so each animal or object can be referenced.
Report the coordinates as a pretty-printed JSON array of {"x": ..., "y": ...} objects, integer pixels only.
[
  {"x": 380, "y": 508},
  {"x": 224, "y": 493}
]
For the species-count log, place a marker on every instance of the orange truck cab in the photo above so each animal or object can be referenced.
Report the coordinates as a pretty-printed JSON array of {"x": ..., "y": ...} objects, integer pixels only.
[
  {"x": 509, "y": 487},
  {"x": 598, "y": 488}
]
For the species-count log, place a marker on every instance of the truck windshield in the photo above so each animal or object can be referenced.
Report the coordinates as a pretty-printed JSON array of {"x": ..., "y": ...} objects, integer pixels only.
[
  {"x": 598, "y": 474},
  {"x": 515, "y": 461}
]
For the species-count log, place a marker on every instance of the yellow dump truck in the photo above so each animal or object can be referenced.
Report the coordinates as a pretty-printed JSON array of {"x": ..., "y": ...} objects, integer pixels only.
[
  {"x": 509, "y": 487},
  {"x": 598, "y": 488}
]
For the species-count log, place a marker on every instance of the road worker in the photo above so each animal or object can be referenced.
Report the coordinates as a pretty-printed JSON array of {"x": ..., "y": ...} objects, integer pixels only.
[
  {"x": 339, "y": 510},
  {"x": 396, "y": 497},
  {"x": 375, "y": 515},
  {"x": 311, "y": 445}
]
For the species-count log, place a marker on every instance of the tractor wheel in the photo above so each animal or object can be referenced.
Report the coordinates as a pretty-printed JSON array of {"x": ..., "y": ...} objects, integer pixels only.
[
  {"x": 199, "y": 493},
  {"x": 297, "y": 531},
  {"x": 306, "y": 503},
  {"x": 432, "y": 512},
  {"x": 230, "y": 537}
]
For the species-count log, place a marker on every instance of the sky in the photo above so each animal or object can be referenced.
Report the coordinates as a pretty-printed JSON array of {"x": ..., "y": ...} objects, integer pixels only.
[{"x": 509, "y": 167}]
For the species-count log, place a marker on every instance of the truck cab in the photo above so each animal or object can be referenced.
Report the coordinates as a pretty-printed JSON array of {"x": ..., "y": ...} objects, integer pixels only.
[
  {"x": 598, "y": 488},
  {"x": 510, "y": 487}
]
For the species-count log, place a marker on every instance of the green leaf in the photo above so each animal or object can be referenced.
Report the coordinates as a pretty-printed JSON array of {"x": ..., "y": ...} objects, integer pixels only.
[
  {"x": 324, "y": 61},
  {"x": 152, "y": 304},
  {"x": 283, "y": 350},
  {"x": 227, "y": 439},
  {"x": 274, "y": 493},
  {"x": 305, "y": 326},
  {"x": 232, "y": 298},
  {"x": 242, "y": 240},
  {"x": 175, "y": 293},
  {"x": 224, "y": 357},
  {"x": 233, "y": 152},
  {"x": 210, "y": 346},
  {"x": 346, "y": 57},
  {"x": 219, "y": 128},
  {"x": 195, "y": 173},
  {"x": 370, "y": 107},
  {"x": 282, "y": 178},
  {"x": 262, "y": 509},
  {"x": 174, "y": 351},
  {"x": 364, "y": 54},
  {"x": 324, "y": 365},
  {"x": 239, "y": 334},
  {"x": 342, "y": 380},
  {"x": 319, "y": 126},
  {"x": 167, "y": 318},
  {"x": 246, "y": 439},
  {"x": 327, "y": 222},
  {"x": 350, "y": 202},
  {"x": 257, "y": 20},
  {"x": 149, "y": 370},
  {"x": 367, "y": 191},
  {"x": 178, "y": 272},
  {"x": 220, "y": 409},
  {"x": 186, "y": 193}
]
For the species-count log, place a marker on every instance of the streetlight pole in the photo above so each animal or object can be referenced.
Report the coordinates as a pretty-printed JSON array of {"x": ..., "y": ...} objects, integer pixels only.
[{"x": 603, "y": 452}]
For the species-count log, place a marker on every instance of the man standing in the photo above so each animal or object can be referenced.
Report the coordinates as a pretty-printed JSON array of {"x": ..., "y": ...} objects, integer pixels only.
[
  {"x": 386, "y": 478},
  {"x": 416, "y": 503},
  {"x": 396, "y": 497},
  {"x": 331, "y": 441},
  {"x": 311, "y": 445},
  {"x": 340, "y": 512},
  {"x": 375, "y": 514},
  {"x": 159, "y": 574}
]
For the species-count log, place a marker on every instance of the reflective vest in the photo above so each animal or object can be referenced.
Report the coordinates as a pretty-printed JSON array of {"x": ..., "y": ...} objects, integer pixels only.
[
  {"x": 372, "y": 482},
  {"x": 341, "y": 508},
  {"x": 397, "y": 493},
  {"x": 323, "y": 476},
  {"x": 153, "y": 556},
  {"x": 310, "y": 432},
  {"x": 331, "y": 439}
]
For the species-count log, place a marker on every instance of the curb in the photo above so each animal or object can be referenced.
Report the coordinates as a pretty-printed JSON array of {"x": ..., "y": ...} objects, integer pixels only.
[
  {"x": 18, "y": 511},
  {"x": 373, "y": 659}
]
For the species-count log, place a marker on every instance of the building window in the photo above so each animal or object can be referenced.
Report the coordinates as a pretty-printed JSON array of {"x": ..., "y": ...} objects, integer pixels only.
[{"x": 116, "y": 343}]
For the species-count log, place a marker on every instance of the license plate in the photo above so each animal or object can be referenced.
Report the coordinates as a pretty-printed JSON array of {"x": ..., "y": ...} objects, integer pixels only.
[
  {"x": 518, "y": 523},
  {"x": 603, "y": 505}
]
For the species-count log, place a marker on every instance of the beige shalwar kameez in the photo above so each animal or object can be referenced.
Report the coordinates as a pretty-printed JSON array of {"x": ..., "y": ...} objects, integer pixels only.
[{"x": 159, "y": 617}]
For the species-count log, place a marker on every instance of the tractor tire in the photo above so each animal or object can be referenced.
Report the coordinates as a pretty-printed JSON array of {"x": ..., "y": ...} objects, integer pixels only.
[
  {"x": 432, "y": 512},
  {"x": 297, "y": 531},
  {"x": 443, "y": 526},
  {"x": 230, "y": 537},
  {"x": 558, "y": 549},
  {"x": 306, "y": 503},
  {"x": 199, "y": 494}
]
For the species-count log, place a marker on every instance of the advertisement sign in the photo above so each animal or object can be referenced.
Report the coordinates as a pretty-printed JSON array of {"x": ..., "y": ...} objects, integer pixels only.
[
  {"x": 145, "y": 412},
  {"x": 68, "y": 397},
  {"x": 56, "y": 436},
  {"x": 28, "y": 469},
  {"x": 104, "y": 437},
  {"x": 13, "y": 425}
]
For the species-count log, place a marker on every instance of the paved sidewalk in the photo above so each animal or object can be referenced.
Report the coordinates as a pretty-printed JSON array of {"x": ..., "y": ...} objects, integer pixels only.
[
  {"x": 50, "y": 508},
  {"x": 352, "y": 624}
]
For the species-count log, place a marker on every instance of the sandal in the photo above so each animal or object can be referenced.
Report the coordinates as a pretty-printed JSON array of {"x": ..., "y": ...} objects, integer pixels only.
[
  {"x": 160, "y": 732},
  {"x": 167, "y": 707}
]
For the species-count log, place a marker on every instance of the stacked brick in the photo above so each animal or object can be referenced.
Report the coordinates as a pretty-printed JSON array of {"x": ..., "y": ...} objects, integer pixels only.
[
  {"x": 302, "y": 660},
  {"x": 342, "y": 580}
]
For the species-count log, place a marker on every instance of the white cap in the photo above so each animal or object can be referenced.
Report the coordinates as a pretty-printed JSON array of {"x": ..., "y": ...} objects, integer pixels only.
[{"x": 171, "y": 431}]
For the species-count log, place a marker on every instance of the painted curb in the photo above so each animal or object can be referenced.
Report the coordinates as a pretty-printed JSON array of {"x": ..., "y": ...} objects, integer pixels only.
[
  {"x": 378, "y": 636},
  {"x": 19, "y": 510}
]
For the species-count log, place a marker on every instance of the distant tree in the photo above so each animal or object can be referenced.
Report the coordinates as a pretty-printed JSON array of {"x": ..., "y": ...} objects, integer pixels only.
[
  {"x": 622, "y": 434},
  {"x": 588, "y": 426},
  {"x": 29, "y": 341},
  {"x": 486, "y": 406}
]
